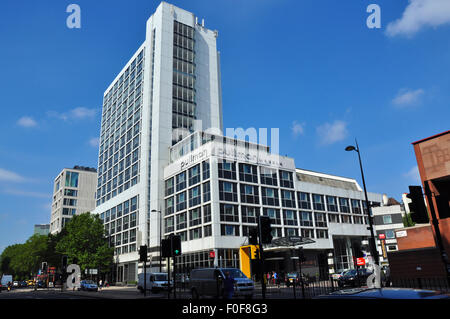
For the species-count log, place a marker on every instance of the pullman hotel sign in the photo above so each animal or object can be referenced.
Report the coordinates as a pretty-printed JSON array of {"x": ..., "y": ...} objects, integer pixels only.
[
  {"x": 193, "y": 158},
  {"x": 258, "y": 157}
]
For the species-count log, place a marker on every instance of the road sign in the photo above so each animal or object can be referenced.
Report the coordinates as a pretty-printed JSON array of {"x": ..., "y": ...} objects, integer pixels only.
[
  {"x": 212, "y": 254},
  {"x": 382, "y": 236},
  {"x": 360, "y": 261}
]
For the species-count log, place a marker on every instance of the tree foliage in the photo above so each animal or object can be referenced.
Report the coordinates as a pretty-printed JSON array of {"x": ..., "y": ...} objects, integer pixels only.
[{"x": 82, "y": 240}]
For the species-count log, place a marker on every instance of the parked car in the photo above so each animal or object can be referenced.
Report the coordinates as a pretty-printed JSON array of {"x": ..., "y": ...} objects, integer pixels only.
[
  {"x": 41, "y": 284},
  {"x": 88, "y": 285},
  {"x": 293, "y": 277},
  {"x": 209, "y": 282},
  {"x": 156, "y": 281},
  {"x": 353, "y": 278},
  {"x": 15, "y": 284},
  {"x": 338, "y": 275},
  {"x": 23, "y": 284},
  {"x": 30, "y": 283},
  {"x": 385, "y": 293}
]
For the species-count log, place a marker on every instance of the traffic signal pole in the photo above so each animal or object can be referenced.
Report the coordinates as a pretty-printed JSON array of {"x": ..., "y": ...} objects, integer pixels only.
[{"x": 261, "y": 258}]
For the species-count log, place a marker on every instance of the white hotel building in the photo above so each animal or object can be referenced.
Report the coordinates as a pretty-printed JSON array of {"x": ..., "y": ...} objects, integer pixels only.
[{"x": 154, "y": 156}]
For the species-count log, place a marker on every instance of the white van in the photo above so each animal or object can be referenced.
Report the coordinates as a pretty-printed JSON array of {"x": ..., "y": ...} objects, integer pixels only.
[
  {"x": 5, "y": 280},
  {"x": 156, "y": 281}
]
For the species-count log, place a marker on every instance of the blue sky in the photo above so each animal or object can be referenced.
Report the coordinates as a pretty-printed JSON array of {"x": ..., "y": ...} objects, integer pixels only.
[{"x": 311, "y": 68}]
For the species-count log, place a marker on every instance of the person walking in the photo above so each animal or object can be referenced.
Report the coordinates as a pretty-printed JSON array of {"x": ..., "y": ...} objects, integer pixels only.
[{"x": 228, "y": 286}]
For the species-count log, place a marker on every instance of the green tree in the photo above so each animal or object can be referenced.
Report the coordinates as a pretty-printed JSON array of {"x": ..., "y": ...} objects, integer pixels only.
[
  {"x": 84, "y": 243},
  {"x": 407, "y": 221}
]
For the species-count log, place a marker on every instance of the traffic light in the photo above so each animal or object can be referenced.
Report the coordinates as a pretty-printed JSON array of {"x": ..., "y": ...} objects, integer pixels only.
[
  {"x": 143, "y": 253},
  {"x": 176, "y": 245},
  {"x": 166, "y": 248},
  {"x": 419, "y": 213},
  {"x": 266, "y": 229},
  {"x": 253, "y": 236}
]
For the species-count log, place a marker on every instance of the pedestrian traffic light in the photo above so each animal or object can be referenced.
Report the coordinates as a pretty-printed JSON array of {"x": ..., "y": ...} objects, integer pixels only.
[
  {"x": 166, "y": 248},
  {"x": 265, "y": 229},
  {"x": 419, "y": 213},
  {"x": 143, "y": 253},
  {"x": 253, "y": 236},
  {"x": 176, "y": 245}
]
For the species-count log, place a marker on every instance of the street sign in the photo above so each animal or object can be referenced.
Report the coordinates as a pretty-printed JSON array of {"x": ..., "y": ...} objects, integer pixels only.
[
  {"x": 212, "y": 254},
  {"x": 382, "y": 236},
  {"x": 360, "y": 261}
]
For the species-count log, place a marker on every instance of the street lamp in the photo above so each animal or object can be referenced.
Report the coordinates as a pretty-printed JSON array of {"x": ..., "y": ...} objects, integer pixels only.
[
  {"x": 373, "y": 249},
  {"x": 160, "y": 233}
]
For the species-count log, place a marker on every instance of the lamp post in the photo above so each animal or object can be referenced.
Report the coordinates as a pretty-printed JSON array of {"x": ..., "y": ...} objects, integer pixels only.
[
  {"x": 160, "y": 233},
  {"x": 373, "y": 247}
]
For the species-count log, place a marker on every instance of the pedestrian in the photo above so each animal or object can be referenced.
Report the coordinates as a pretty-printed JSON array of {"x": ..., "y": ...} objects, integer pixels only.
[
  {"x": 275, "y": 278},
  {"x": 228, "y": 286},
  {"x": 100, "y": 284}
]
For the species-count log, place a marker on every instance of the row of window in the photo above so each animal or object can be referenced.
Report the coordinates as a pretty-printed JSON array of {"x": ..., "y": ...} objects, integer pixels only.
[
  {"x": 190, "y": 177},
  {"x": 123, "y": 208},
  {"x": 193, "y": 217}
]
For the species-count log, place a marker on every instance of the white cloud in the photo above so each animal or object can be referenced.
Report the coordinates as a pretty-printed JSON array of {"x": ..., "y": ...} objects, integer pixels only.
[
  {"x": 94, "y": 142},
  {"x": 27, "y": 121},
  {"x": 419, "y": 14},
  {"x": 332, "y": 133},
  {"x": 17, "y": 192},
  {"x": 297, "y": 128},
  {"x": 76, "y": 113},
  {"x": 8, "y": 176},
  {"x": 406, "y": 97},
  {"x": 413, "y": 175}
]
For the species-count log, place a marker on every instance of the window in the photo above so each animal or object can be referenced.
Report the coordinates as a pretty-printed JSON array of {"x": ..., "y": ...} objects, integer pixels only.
[
  {"x": 169, "y": 187},
  {"x": 169, "y": 225},
  {"x": 346, "y": 219},
  {"x": 306, "y": 219},
  {"x": 169, "y": 206},
  {"x": 69, "y": 211},
  {"x": 303, "y": 200},
  {"x": 321, "y": 219},
  {"x": 332, "y": 204},
  {"x": 333, "y": 218},
  {"x": 344, "y": 205},
  {"x": 228, "y": 191},
  {"x": 207, "y": 231},
  {"x": 229, "y": 230},
  {"x": 181, "y": 181},
  {"x": 195, "y": 217},
  {"x": 387, "y": 219},
  {"x": 69, "y": 202},
  {"x": 194, "y": 175},
  {"x": 291, "y": 231},
  {"x": 181, "y": 221},
  {"x": 308, "y": 233},
  {"x": 287, "y": 198},
  {"x": 194, "y": 196},
  {"x": 181, "y": 201},
  {"x": 357, "y": 220},
  {"x": 229, "y": 213},
  {"x": 290, "y": 217},
  {"x": 227, "y": 170},
  {"x": 133, "y": 204},
  {"x": 269, "y": 196},
  {"x": 249, "y": 194},
  {"x": 195, "y": 233},
  {"x": 248, "y": 173},
  {"x": 322, "y": 233},
  {"x": 205, "y": 167},
  {"x": 70, "y": 192},
  {"x": 286, "y": 179},
  {"x": 71, "y": 179},
  {"x": 356, "y": 206},
  {"x": 249, "y": 214},
  {"x": 206, "y": 213},
  {"x": 268, "y": 176},
  {"x": 318, "y": 202},
  {"x": 206, "y": 192}
]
